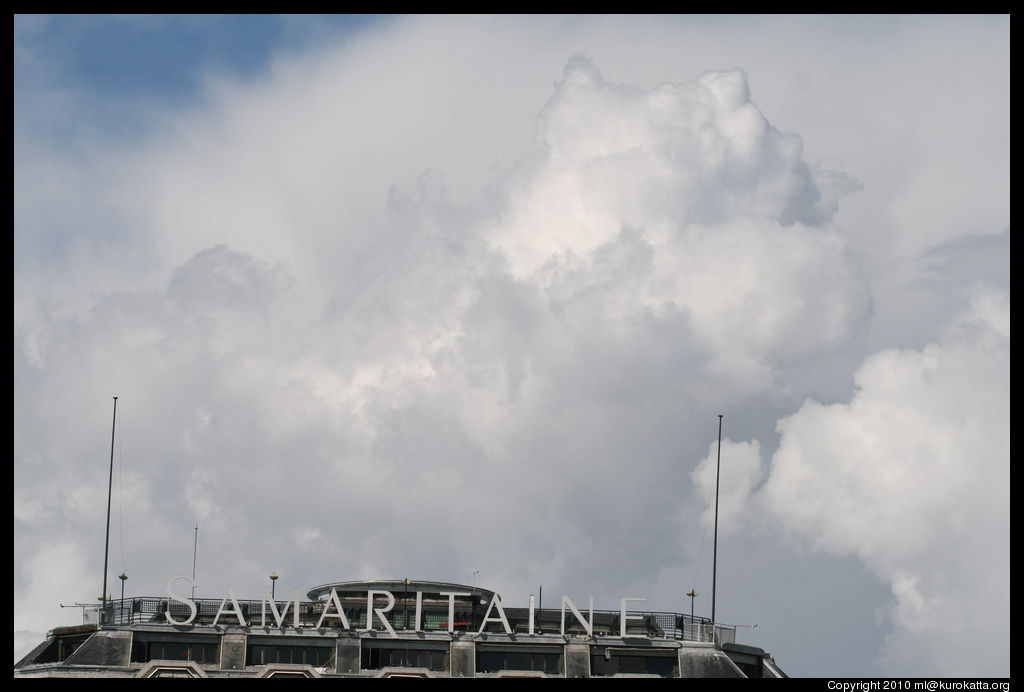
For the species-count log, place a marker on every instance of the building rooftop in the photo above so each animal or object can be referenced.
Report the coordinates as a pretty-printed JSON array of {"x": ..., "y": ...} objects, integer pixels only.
[{"x": 416, "y": 628}]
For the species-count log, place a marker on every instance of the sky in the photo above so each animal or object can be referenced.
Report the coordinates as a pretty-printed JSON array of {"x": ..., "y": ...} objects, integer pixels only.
[{"x": 462, "y": 298}]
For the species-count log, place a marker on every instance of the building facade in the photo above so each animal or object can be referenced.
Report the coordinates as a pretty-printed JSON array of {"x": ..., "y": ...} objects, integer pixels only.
[{"x": 399, "y": 628}]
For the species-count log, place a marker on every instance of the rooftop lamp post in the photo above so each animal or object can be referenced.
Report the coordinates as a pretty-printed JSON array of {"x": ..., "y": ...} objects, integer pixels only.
[
  {"x": 273, "y": 583},
  {"x": 123, "y": 577},
  {"x": 692, "y": 593}
]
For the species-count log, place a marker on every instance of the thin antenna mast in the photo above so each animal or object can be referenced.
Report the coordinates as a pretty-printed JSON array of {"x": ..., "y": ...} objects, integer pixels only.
[
  {"x": 714, "y": 569},
  {"x": 110, "y": 488},
  {"x": 195, "y": 544}
]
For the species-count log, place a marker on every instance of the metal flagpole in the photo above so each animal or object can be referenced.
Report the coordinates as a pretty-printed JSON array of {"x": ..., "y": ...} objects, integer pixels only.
[
  {"x": 110, "y": 488},
  {"x": 714, "y": 569}
]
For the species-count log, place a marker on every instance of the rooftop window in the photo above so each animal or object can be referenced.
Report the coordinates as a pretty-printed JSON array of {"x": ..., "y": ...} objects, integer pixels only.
[
  {"x": 543, "y": 659},
  {"x": 304, "y": 654},
  {"x": 398, "y": 653},
  {"x": 61, "y": 648},
  {"x": 607, "y": 660},
  {"x": 206, "y": 652}
]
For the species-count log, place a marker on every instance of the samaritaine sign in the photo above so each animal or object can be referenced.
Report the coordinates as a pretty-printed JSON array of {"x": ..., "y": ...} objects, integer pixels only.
[{"x": 335, "y": 614}]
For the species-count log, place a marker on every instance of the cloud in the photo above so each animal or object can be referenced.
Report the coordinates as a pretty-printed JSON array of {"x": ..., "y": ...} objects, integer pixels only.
[
  {"x": 662, "y": 159},
  {"x": 50, "y": 571},
  {"x": 912, "y": 477},
  {"x": 449, "y": 368},
  {"x": 744, "y": 473},
  {"x": 398, "y": 306},
  {"x": 736, "y": 224}
]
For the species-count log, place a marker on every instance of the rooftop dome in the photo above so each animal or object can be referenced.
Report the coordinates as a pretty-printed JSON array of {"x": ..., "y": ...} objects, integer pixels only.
[{"x": 397, "y": 586}]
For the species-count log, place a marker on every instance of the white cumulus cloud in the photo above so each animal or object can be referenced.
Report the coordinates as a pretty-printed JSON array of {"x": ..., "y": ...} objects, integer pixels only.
[
  {"x": 737, "y": 223},
  {"x": 912, "y": 477}
]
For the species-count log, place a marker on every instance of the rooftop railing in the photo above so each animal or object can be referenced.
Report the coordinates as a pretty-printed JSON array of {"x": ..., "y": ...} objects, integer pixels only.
[{"x": 680, "y": 626}]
